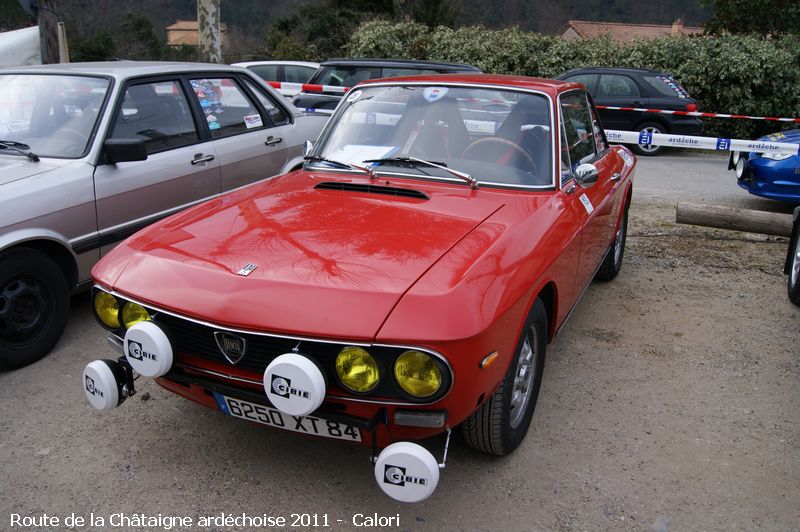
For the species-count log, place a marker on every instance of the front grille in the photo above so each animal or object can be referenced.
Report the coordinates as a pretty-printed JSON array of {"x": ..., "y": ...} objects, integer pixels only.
[{"x": 197, "y": 340}]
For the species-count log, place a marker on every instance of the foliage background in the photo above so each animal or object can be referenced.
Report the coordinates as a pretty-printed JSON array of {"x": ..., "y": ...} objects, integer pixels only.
[{"x": 737, "y": 74}]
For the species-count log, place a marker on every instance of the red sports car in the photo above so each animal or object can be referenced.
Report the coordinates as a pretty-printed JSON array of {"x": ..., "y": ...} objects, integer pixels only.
[{"x": 406, "y": 281}]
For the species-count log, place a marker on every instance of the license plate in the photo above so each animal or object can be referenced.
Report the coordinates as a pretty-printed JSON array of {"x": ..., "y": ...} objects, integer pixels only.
[{"x": 275, "y": 418}]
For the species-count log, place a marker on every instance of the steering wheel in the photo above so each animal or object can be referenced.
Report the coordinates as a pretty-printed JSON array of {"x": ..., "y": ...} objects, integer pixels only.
[{"x": 508, "y": 144}]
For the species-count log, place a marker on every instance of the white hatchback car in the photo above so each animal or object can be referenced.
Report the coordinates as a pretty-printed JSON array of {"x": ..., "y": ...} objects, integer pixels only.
[{"x": 90, "y": 153}]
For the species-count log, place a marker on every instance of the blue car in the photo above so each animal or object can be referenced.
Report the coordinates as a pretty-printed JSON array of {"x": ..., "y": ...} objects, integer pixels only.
[{"x": 770, "y": 175}]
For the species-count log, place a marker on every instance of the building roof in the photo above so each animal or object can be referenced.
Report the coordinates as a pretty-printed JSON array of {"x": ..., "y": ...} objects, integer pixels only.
[
  {"x": 191, "y": 25},
  {"x": 621, "y": 32},
  {"x": 185, "y": 32}
]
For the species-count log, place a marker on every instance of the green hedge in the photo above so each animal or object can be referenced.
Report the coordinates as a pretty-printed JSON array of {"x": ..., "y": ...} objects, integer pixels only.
[{"x": 734, "y": 74}]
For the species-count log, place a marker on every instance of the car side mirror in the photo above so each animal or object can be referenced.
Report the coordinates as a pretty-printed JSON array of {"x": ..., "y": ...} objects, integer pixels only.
[
  {"x": 308, "y": 147},
  {"x": 124, "y": 150},
  {"x": 586, "y": 175}
]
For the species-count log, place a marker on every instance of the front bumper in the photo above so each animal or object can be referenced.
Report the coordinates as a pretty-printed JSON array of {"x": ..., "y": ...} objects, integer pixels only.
[{"x": 777, "y": 180}]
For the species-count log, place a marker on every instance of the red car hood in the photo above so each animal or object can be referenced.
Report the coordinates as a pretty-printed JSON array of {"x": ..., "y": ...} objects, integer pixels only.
[{"x": 329, "y": 263}]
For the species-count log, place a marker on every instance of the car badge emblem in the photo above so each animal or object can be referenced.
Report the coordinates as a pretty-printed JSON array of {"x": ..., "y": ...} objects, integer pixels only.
[
  {"x": 247, "y": 270},
  {"x": 231, "y": 346}
]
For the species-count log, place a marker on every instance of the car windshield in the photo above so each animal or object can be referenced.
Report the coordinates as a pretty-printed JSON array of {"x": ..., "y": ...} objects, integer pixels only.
[
  {"x": 496, "y": 136},
  {"x": 54, "y": 115}
]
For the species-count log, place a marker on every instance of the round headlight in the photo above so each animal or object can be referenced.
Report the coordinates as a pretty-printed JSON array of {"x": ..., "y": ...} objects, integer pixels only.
[
  {"x": 133, "y": 313},
  {"x": 107, "y": 309},
  {"x": 417, "y": 373},
  {"x": 357, "y": 369}
]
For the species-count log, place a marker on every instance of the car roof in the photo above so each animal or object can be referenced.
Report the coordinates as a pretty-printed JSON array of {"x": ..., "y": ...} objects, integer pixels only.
[
  {"x": 121, "y": 69},
  {"x": 398, "y": 63},
  {"x": 549, "y": 86},
  {"x": 612, "y": 70},
  {"x": 287, "y": 63}
]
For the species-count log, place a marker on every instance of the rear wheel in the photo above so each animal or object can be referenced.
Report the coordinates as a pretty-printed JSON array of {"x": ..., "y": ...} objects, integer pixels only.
[
  {"x": 649, "y": 149},
  {"x": 612, "y": 263},
  {"x": 793, "y": 284},
  {"x": 501, "y": 423},
  {"x": 34, "y": 304}
]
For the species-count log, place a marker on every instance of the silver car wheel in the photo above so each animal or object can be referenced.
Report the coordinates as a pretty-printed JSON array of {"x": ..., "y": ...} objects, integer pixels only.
[
  {"x": 650, "y": 148},
  {"x": 794, "y": 272},
  {"x": 523, "y": 378}
]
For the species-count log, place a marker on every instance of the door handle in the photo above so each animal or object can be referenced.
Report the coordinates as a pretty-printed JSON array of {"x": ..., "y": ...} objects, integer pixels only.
[
  {"x": 273, "y": 140},
  {"x": 199, "y": 158},
  {"x": 616, "y": 176}
]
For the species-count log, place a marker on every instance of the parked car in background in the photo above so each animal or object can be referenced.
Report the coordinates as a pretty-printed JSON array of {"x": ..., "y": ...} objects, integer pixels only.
[
  {"x": 92, "y": 152},
  {"x": 290, "y": 71},
  {"x": 640, "y": 88},
  {"x": 770, "y": 175},
  {"x": 348, "y": 72},
  {"x": 406, "y": 281},
  {"x": 792, "y": 267}
]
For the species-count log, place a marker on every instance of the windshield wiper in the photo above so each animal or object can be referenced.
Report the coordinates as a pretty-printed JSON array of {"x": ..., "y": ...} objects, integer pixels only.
[
  {"x": 413, "y": 160},
  {"x": 339, "y": 164},
  {"x": 19, "y": 147}
]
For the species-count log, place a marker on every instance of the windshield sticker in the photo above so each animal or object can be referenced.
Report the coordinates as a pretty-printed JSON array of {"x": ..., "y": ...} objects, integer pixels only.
[
  {"x": 587, "y": 204},
  {"x": 357, "y": 153},
  {"x": 433, "y": 94},
  {"x": 214, "y": 125},
  {"x": 211, "y": 118},
  {"x": 251, "y": 121},
  {"x": 354, "y": 96}
]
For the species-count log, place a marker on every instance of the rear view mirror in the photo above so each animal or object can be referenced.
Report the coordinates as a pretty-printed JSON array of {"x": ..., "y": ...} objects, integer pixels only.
[
  {"x": 308, "y": 147},
  {"x": 586, "y": 175},
  {"x": 124, "y": 150}
]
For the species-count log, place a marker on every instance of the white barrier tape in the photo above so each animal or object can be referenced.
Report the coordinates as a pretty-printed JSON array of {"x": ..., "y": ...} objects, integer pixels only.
[
  {"x": 307, "y": 87},
  {"x": 699, "y": 114},
  {"x": 319, "y": 111},
  {"x": 701, "y": 143}
]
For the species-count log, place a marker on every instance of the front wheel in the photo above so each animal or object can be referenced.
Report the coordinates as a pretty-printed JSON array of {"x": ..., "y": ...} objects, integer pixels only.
[
  {"x": 34, "y": 304},
  {"x": 612, "y": 263},
  {"x": 501, "y": 423},
  {"x": 649, "y": 149},
  {"x": 793, "y": 284}
]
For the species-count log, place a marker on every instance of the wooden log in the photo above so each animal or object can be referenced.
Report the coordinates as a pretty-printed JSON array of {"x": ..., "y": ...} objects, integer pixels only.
[{"x": 750, "y": 221}]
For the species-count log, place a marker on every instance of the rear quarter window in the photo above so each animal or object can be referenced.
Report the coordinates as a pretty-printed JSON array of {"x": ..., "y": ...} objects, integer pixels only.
[{"x": 666, "y": 86}]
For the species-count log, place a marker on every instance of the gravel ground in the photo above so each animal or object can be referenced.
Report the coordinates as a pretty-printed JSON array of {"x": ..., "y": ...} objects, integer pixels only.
[{"x": 670, "y": 402}]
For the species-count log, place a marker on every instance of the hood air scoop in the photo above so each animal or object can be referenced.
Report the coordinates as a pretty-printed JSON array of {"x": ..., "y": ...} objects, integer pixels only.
[{"x": 372, "y": 189}]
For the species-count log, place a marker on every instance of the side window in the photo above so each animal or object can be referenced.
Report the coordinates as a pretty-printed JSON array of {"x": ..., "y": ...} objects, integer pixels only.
[
  {"x": 266, "y": 72},
  {"x": 157, "y": 113},
  {"x": 297, "y": 73},
  {"x": 227, "y": 110},
  {"x": 277, "y": 114},
  {"x": 578, "y": 128},
  {"x": 599, "y": 135},
  {"x": 566, "y": 168},
  {"x": 587, "y": 80},
  {"x": 616, "y": 86}
]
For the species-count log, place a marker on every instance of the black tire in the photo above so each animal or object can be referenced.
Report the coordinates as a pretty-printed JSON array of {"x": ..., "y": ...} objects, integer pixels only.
[
  {"x": 34, "y": 306},
  {"x": 496, "y": 427},
  {"x": 612, "y": 262},
  {"x": 793, "y": 283},
  {"x": 648, "y": 150}
]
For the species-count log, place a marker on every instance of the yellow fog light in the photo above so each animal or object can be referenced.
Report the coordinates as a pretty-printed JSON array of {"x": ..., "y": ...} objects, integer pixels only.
[
  {"x": 107, "y": 309},
  {"x": 357, "y": 369},
  {"x": 133, "y": 313},
  {"x": 417, "y": 373}
]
